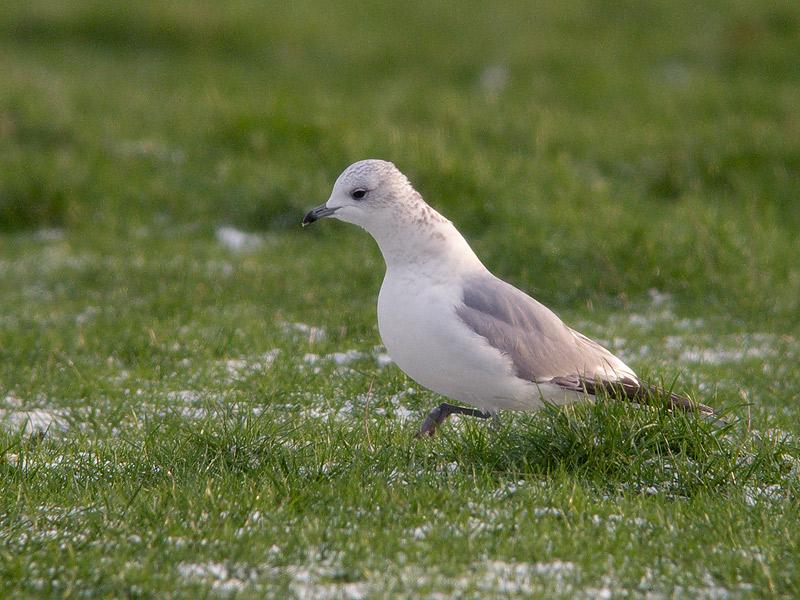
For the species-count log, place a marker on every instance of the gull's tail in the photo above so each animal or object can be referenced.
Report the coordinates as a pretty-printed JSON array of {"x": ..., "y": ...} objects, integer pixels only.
[{"x": 641, "y": 393}]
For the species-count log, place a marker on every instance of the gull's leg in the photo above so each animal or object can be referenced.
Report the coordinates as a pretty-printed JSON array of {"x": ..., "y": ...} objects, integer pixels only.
[
  {"x": 437, "y": 416},
  {"x": 496, "y": 423}
]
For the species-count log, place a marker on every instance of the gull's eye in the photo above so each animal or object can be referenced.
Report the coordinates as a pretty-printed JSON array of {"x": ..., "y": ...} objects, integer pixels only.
[{"x": 358, "y": 194}]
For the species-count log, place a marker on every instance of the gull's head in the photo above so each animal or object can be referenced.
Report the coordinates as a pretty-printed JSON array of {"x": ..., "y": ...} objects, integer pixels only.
[{"x": 370, "y": 194}]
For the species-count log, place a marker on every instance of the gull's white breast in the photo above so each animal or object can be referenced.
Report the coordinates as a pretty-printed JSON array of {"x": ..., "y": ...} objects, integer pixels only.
[{"x": 427, "y": 339}]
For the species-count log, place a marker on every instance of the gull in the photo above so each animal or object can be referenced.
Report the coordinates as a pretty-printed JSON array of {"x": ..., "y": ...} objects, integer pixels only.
[{"x": 455, "y": 328}]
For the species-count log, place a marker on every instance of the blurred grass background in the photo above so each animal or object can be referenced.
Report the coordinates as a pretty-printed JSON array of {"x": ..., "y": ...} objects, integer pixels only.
[{"x": 614, "y": 146}]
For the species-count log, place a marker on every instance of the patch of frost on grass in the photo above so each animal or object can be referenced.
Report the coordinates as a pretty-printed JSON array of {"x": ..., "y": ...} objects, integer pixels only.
[
  {"x": 509, "y": 488},
  {"x": 311, "y": 333},
  {"x": 49, "y": 234},
  {"x": 305, "y": 581},
  {"x": 493, "y": 80},
  {"x": 218, "y": 575},
  {"x": 612, "y": 522},
  {"x": 238, "y": 241},
  {"x": 241, "y": 368},
  {"x": 184, "y": 396},
  {"x": 659, "y": 298},
  {"x": 35, "y": 420},
  {"x": 730, "y": 349},
  {"x": 768, "y": 493},
  {"x": 356, "y": 408},
  {"x": 383, "y": 359},
  {"x": 515, "y": 578},
  {"x": 345, "y": 358}
]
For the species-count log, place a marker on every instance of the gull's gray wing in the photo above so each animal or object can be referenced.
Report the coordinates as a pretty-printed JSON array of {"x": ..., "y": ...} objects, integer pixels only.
[
  {"x": 545, "y": 350},
  {"x": 539, "y": 344}
]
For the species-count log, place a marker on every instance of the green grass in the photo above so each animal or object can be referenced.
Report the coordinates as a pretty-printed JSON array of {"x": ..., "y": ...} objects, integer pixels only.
[{"x": 634, "y": 166}]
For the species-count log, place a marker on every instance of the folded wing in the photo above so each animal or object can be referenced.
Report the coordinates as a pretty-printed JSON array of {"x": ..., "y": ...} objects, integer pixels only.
[{"x": 545, "y": 350}]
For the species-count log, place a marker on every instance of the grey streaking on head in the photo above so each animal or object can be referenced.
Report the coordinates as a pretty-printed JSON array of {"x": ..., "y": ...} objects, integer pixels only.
[{"x": 457, "y": 329}]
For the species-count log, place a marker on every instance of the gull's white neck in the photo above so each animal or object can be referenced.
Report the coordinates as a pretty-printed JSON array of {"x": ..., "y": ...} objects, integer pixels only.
[{"x": 423, "y": 243}]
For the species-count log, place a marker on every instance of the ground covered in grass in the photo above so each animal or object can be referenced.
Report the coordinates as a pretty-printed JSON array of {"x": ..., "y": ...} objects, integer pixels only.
[{"x": 193, "y": 396}]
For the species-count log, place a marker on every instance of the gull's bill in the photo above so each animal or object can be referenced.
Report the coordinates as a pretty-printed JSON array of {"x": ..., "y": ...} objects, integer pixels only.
[{"x": 315, "y": 214}]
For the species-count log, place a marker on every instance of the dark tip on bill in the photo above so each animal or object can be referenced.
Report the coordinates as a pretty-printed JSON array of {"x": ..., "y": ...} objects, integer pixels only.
[{"x": 315, "y": 214}]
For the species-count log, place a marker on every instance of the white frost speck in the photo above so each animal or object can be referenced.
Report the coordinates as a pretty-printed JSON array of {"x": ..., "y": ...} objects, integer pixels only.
[
  {"x": 345, "y": 358},
  {"x": 311, "y": 333},
  {"x": 341, "y": 359},
  {"x": 12, "y": 400},
  {"x": 306, "y": 581},
  {"x": 239, "y": 368},
  {"x": 36, "y": 420},
  {"x": 86, "y": 315},
  {"x": 325, "y": 591},
  {"x": 493, "y": 80},
  {"x": 752, "y": 495},
  {"x": 220, "y": 577},
  {"x": 419, "y": 533},
  {"x": 383, "y": 359},
  {"x": 717, "y": 356},
  {"x": 49, "y": 234},
  {"x": 238, "y": 241},
  {"x": 516, "y": 578},
  {"x": 659, "y": 298},
  {"x": 185, "y": 396},
  {"x": 599, "y": 593},
  {"x": 403, "y": 414}
]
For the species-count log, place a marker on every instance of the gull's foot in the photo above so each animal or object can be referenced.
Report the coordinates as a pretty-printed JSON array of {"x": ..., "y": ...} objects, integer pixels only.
[
  {"x": 437, "y": 416},
  {"x": 432, "y": 421}
]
